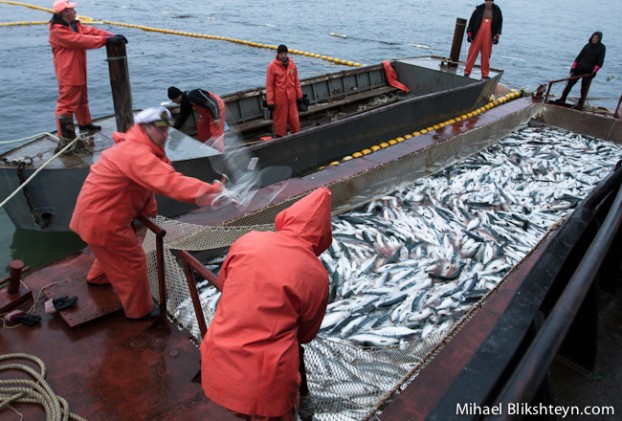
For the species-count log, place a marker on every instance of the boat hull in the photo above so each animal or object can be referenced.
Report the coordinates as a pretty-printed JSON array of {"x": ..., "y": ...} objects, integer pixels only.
[{"x": 436, "y": 94}]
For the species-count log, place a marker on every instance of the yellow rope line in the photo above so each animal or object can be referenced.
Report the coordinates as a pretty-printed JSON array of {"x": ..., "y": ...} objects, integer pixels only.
[
  {"x": 24, "y": 23},
  {"x": 30, "y": 6},
  {"x": 501, "y": 100},
  {"x": 308, "y": 54}
]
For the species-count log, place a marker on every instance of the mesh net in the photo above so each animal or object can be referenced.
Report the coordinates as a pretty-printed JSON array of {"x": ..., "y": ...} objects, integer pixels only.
[{"x": 411, "y": 261}]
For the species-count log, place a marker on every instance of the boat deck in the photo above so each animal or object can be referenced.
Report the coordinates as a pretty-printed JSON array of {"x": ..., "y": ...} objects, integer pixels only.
[{"x": 180, "y": 147}]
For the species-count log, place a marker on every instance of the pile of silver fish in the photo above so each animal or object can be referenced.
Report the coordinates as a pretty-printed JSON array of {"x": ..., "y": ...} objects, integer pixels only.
[{"x": 407, "y": 266}]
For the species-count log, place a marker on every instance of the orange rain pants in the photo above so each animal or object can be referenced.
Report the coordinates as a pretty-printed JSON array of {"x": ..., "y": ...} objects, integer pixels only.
[
  {"x": 127, "y": 265},
  {"x": 482, "y": 43},
  {"x": 73, "y": 100},
  {"x": 206, "y": 125}
]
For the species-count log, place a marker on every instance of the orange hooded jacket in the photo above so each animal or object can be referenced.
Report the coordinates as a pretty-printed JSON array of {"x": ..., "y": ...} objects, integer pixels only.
[
  {"x": 274, "y": 296},
  {"x": 121, "y": 186},
  {"x": 69, "y": 49},
  {"x": 282, "y": 83}
]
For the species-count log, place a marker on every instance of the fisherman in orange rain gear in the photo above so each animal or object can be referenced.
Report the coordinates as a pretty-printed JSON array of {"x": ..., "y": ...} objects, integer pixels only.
[
  {"x": 483, "y": 31},
  {"x": 283, "y": 92},
  {"x": 274, "y": 297},
  {"x": 120, "y": 187},
  {"x": 70, "y": 40},
  {"x": 211, "y": 110}
]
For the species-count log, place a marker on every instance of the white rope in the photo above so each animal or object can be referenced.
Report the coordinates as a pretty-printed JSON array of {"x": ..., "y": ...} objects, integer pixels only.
[
  {"x": 17, "y": 190},
  {"x": 36, "y": 391},
  {"x": 34, "y": 136}
]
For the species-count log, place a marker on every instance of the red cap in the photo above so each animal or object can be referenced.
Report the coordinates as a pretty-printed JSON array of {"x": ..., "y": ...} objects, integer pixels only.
[{"x": 60, "y": 5}]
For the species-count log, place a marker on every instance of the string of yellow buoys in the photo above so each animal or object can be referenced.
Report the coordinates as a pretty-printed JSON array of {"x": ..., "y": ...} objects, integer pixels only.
[
  {"x": 383, "y": 145},
  {"x": 308, "y": 54}
]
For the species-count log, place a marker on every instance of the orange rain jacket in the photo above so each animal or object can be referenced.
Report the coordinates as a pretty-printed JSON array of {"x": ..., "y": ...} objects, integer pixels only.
[
  {"x": 282, "y": 83},
  {"x": 120, "y": 187},
  {"x": 69, "y": 49},
  {"x": 274, "y": 296},
  {"x": 282, "y": 91}
]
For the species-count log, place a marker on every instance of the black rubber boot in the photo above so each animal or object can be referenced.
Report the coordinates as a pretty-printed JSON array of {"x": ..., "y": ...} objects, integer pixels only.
[{"x": 90, "y": 128}]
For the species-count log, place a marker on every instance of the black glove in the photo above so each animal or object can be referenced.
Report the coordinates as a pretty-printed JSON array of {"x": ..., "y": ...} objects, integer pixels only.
[
  {"x": 495, "y": 40},
  {"x": 469, "y": 38},
  {"x": 116, "y": 40},
  {"x": 270, "y": 107},
  {"x": 302, "y": 104},
  {"x": 593, "y": 74}
]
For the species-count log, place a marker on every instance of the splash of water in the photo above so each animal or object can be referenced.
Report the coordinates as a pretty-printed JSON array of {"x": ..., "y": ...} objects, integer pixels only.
[{"x": 246, "y": 176}]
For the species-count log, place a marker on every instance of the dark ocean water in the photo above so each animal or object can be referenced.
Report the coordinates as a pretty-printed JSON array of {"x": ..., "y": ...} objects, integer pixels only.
[{"x": 539, "y": 42}]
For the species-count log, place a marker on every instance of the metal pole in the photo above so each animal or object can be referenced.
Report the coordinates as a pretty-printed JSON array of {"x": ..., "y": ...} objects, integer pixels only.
[
  {"x": 159, "y": 233},
  {"x": 189, "y": 263},
  {"x": 617, "y": 113},
  {"x": 456, "y": 45},
  {"x": 120, "y": 84}
]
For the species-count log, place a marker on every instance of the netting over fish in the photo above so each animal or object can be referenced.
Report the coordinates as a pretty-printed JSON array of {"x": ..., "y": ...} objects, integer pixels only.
[{"x": 409, "y": 266}]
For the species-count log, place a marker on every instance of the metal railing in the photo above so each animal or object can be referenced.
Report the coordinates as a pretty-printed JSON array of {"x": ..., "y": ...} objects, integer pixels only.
[
  {"x": 159, "y": 233},
  {"x": 583, "y": 95}
]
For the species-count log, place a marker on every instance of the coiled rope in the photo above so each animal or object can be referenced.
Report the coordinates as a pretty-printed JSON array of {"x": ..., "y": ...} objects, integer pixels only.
[
  {"x": 35, "y": 391},
  {"x": 331, "y": 59}
]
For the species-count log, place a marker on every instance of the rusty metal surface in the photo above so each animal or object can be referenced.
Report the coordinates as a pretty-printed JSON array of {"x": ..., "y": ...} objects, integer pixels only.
[
  {"x": 112, "y": 368},
  {"x": 11, "y": 301},
  {"x": 93, "y": 303}
]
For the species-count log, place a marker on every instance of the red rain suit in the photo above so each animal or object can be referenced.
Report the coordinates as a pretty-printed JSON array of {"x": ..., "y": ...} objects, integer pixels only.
[
  {"x": 121, "y": 186},
  {"x": 207, "y": 127},
  {"x": 485, "y": 30},
  {"x": 69, "y": 49},
  {"x": 274, "y": 296},
  {"x": 282, "y": 91}
]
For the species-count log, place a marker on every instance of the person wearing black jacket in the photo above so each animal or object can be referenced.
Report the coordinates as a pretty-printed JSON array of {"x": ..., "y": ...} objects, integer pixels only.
[
  {"x": 588, "y": 62},
  {"x": 483, "y": 31},
  {"x": 211, "y": 109}
]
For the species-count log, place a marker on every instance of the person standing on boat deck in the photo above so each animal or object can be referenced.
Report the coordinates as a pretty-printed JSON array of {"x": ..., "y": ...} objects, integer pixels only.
[
  {"x": 120, "y": 187},
  {"x": 250, "y": 355},
  {"x": 588, "y": 62},
  {"x": 483, "y": 31},
  {"x": 283, "y": 92},
  {"x": 211, "y": 110},
  {"x": 70, "y": 40}
]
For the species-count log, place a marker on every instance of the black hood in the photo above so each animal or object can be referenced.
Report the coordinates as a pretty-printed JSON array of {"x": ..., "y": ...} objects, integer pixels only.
[{"x": 599, "y": 34}]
